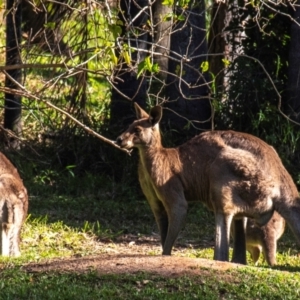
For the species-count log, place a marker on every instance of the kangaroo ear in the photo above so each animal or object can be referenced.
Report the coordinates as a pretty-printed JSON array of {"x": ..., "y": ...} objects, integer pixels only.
[
  {"x": 140, "y": 113},
  {"x": 155, "y": 115}
]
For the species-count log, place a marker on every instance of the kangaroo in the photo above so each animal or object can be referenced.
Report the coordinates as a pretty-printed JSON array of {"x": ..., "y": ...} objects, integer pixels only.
[
  {"x": 264, "y": 239},
  {"x": 234, "y": 174},
  {"x": 13, "y": 208}
]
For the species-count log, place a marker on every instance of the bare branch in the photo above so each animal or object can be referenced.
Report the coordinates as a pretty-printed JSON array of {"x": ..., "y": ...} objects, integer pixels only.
[{"x": 24, "y": 93}]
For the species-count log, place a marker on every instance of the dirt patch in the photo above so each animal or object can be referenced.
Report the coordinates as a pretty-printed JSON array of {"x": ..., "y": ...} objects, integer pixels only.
[
  {"x": 171, "y": 266},
  {"x": 132, "y": 254}
]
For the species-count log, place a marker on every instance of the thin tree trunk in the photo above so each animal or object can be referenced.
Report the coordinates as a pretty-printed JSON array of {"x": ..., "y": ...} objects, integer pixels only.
[
  {"x": 13, "y": 109},
  {"x": 162, "y": 35},
  {"x": 187, "y": 88},
  {"x": 127, "y": 87},
  {"x": 225, "y": 41},
  {"x": 216, "y": 42},
  {"x": 293, "y": 101}
]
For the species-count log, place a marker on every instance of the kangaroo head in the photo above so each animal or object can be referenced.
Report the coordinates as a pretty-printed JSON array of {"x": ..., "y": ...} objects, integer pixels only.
[{"x": 144, "y": 131}]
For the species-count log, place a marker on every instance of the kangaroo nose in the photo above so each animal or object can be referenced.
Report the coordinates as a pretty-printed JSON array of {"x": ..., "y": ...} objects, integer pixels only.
[{"x": 119, "y": 140}]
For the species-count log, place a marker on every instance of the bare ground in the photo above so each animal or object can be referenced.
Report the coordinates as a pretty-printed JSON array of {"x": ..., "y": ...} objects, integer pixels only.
[{"x": 132, "y": 254}]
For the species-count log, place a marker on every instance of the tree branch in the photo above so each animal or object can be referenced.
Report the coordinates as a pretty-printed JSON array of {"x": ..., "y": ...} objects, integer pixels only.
[{"x": 25, "y": 93}]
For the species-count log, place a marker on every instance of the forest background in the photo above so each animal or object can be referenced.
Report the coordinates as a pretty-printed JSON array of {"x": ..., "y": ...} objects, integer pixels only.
[{"x": 70, "y": 72}]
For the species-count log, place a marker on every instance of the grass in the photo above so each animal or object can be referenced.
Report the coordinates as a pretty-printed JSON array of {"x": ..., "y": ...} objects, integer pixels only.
[
  {"x": 242, "y": 284},
  {"x": 68, "y": 217}
]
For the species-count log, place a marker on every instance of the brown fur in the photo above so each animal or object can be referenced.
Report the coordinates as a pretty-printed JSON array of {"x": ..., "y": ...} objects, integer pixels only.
[
  {"x": 235, "y": 174},
  {"x": 13, "y": 208},
  {"x": 264, "y": 239}
]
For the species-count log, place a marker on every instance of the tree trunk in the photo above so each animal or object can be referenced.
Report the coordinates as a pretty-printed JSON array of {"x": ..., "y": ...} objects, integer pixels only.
[
  {"x": 162, "y": 35},
  {"x": 225, "y": 42},
  {"x": 216, "y": 43},
  {"x": 127, "y": 87},
  {"x": 187, "y": 88},
  {"x": 13, "y": 109},
  {"x": 293, "y": 88}
]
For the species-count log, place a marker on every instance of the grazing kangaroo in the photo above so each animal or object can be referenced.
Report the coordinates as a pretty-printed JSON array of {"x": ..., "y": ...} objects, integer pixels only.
[
  {"x": 264, "y": 239},
  {"x": 13, "y": 208},
  {"x": 235, "y": 174}
]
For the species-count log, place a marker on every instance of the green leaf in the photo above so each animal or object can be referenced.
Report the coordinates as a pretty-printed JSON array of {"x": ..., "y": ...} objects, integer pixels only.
[
  {"x": 115, "y": 30},
  {"x": 168, "y": 2},
  {"x": 180, "y": 18},
  {"x": 148, "y": 63},
  {"x": 226, "y": 62},
  {"x": 168, "y": 17},
  {"x": 127, "y": 57},
  {"x": 50, "y": 25},
  {"x": 155, "y": 68},
  {"x": 204, "y": 66},
  {"x": 141, "y": 68},
  {"x": 178, "y": 71},
  {"x": 113, "y": 56},
  {"x": 184, "y": 3}
]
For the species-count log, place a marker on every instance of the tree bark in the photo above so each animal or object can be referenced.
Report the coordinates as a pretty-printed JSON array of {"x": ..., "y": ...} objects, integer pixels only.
[
  {"x": 293, "y": 88},
  {"x": 216, "y": 42},
  {"x": 13, "y": 108},
  {"x": 225, "y": 41},
  {"x": 162, "y": 35},
  {"x": 127, "y": 87},
  {"x": 187, "y": 89}
]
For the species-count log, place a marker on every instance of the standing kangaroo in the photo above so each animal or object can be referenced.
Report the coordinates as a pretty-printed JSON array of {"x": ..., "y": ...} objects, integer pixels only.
[
  {"x": 235, "y": 174},
  {"x": 13, "y": 208},
  {"x": 264, "y": 239}
]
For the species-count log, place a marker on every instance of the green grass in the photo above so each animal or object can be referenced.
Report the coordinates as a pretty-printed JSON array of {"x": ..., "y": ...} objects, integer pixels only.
[
  {"x": 242, "y": 284},
  {"x": 70, "y": 215}
]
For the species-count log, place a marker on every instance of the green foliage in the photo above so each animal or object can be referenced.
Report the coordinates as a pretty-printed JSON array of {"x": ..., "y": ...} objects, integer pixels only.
[
  {"x": 50, "y": 25},
  {"x": 226, "y": 62},
  {"x": 180, "y": 3},
  {"x": 204, "y": 66},
  {"x": 75, "y": 79},
  {"x": 183, "y": 4},
  {"x": 147, "y": 65},
  {"x": 168, "y": 2}
]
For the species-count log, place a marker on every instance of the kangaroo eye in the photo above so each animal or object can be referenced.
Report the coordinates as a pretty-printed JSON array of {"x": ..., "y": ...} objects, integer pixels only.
[{"x": 137, "y": 130}]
